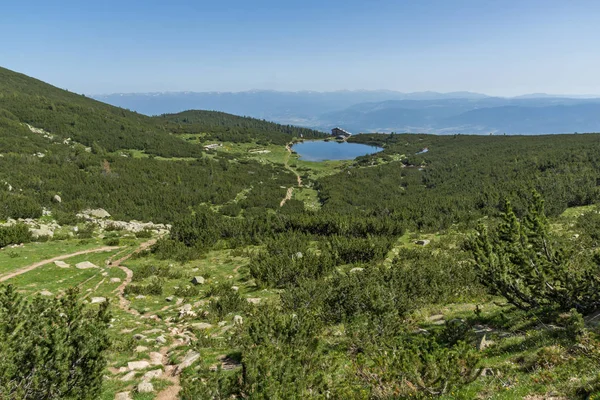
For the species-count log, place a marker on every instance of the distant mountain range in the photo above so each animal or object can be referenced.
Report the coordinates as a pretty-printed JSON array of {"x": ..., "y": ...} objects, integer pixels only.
[{"x": 386, "y": 111}]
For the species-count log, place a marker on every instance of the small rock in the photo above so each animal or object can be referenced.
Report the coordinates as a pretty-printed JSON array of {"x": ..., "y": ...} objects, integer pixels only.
[
  {"x": 357, "y": 269},
  {"x": 222, "y": 323},
  {"x": 201, "y": 325},
  {"x": 141, "y": 296},
  {"x": 161, "y": 339},
  {"x": 134, "y": 365},
  {"x": 238, "y": 320},
  {"x": 482, "y": 343},
  {"x": 61, "y": 264},
  {"x": 85, "y": 265},
  {"x": 139, "y": 336},
  {"x": 156, "y": 373},
  {"x": 145, "y": 387},
  {"x": 235, "y": 288},
  {"x": 46, "y": 293},
  {"x": 141, "y": 349},
  {"x": 169, "y": 299},
  {"x": 129, "y": 376},
  {"x": 423, "y": 242},
  {"x": 57, "y": 198},
  {"x": 156, "y": 358},
  {"x": 115, "y": 280},
  {"x": 254, "y": 300},
  {"x": 198, "y": 280},
  {"x": 189, "y": 359},
  {"x": 123, "y": 396},
  {"x": 96, "y": 300}
]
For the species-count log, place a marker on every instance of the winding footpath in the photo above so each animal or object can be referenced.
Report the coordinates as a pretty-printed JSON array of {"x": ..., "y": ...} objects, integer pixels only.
[
  {"x": 51, "y": 260},
  {"x": 290, "y": 190}
]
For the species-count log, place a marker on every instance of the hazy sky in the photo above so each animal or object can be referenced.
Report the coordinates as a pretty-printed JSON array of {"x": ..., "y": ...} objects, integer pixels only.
[{"x": 505, "y": 47}]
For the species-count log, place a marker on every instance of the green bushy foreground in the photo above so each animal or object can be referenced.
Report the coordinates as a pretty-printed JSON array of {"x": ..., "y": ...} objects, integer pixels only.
[{"x": 470, "y": 271}]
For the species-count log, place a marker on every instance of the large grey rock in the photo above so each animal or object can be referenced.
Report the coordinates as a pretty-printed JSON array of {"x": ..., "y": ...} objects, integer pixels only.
[
  {"x": 96, "y": 300},
  {"x": 61, "y": 264},
  {"x": 145, "y": 387},
  {"x": 198, "y": 280},
  {"x": 134, "y": 365},
  {"x": 85, "y": 265}
]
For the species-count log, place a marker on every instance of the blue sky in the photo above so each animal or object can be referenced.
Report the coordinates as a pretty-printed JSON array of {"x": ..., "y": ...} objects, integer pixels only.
[{"x": 506, "y": 47}]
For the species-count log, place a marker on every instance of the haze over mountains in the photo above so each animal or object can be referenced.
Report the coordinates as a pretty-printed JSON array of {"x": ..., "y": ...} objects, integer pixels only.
[{"x": 386, "y": 111}]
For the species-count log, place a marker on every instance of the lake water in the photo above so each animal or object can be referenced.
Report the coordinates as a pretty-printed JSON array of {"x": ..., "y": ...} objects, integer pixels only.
[{"x": 319, "y": 150}]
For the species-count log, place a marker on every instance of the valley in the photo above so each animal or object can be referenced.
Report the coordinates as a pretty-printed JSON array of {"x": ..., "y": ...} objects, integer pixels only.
[{"x": 161, "y": 267}]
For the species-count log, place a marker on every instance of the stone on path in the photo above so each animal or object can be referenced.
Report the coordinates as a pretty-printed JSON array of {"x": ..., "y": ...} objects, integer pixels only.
[
  {"x": 96, "y": 300},
  {"x": 156, "y": 358},
  {"x": 61, "y": 264},
  {"x": 145, "y": 387},
  {"x": 123, "y": 396},
  {"x": 133, "y": 365},
  {"x": 156, "y": 373},
  {"x": 85, "y": 265}
]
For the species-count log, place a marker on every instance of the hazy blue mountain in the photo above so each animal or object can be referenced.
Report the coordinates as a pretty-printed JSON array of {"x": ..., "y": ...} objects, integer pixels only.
[
  {"x": 264, "y": 103},
  {"x": 386, "y": 111}
]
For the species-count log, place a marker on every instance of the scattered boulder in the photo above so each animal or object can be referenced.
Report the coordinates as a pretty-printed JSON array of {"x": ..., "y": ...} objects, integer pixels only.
[
  {"x": 139, "y": 336},
  {"x": 235, "y": 288},
  {"x": 57, "y": 199},
  {"x": 134, "y": 365},
  {"x": 238, "y": 320},
  {"x": 161, "y": 339},
  {"x": 46, "y": 293},
  {"x": 61, "y": 264},
  {"x": 254, "y": 300},
  {"x": 115, "y": 280},
  {"x": 96, "y": 300},
  {"x": 482, "y": 343},
  {"x": 170, "y": 298},
  {"x": 357, "y": 269},
  {"x": 123, "y": 396},
  {"x": 85, "y": 265},
  {"x": 145, "y": 387},
  {"x": 141, "y": 349},
  {"x": 423, "y": 242},
  {"x": 198, "y": 280},
  {"x": 43, "y": 230},
  {"x": 141, "y": 296}
]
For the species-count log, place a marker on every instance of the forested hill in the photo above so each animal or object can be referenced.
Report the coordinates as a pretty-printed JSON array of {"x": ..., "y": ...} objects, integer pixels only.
[
  {"x": 233, "y": 128},
  {"x": 107, "y": 128}
]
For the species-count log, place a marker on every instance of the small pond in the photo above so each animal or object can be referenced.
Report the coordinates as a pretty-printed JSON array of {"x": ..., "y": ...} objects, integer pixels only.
[{"x": 319, "y": 150}]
